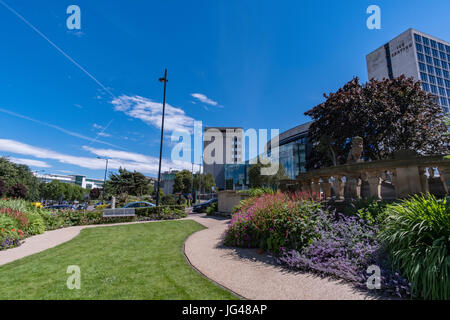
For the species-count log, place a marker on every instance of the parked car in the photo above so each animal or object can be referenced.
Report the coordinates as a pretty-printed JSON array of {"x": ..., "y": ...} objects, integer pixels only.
[
  {"x": 82, "y": 206},
  {"x": 201, "y": 207},
  {"x": 100, "y": 203},
  {"x": 139, "y": 204},
  {"x": 61, "y": 207}
]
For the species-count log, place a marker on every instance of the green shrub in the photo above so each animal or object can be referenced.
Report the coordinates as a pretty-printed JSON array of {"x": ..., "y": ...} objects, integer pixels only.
[
  {"x": 7, "y": 222},
  {"x": 212, "y": 208},
  {"x": 371, "y": 210},
  {"x": 417, "y": 234},
  {"x": 257, "y": 192},
  {"x": 162, "y": 212},
  {"x": 273, "y": 221},
  {"x": 168, "y": 200},
  {"x": 36, "y": 224}
]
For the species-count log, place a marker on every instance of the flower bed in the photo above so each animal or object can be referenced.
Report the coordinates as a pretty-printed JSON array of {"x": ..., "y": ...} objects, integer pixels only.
[
  {"x": 10, "y": 238},
  {"x": 20, "y": 219},
  {"x": 272, "y": 221},
  {"x": 306, "y": 236}
]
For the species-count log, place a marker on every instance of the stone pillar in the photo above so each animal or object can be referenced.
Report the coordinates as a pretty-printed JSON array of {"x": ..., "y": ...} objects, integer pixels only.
[
  {"x": 353, "y": 187},
  {"x": 393, "y": 176},
  {"x": 424, "y": 179},
  {"x": 374, "y": 180},
  {"x": 408, "y": 181},
  {"x": 306, "y": 187},
  {"x": 338, "y": 186},
  {"x": 113, "y": 202},
  {"x": 444, "y": 174},
  {"x": 315, "y": 188},
  {"x": 326, "y": 187}
]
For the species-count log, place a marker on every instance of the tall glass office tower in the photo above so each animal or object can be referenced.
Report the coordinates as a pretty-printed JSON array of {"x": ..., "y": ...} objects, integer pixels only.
[{"x": 419, "y": 55}]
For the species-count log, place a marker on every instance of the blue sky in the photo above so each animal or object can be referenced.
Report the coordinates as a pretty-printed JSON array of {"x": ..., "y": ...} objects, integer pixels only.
[{"x": 255, "y": 64}]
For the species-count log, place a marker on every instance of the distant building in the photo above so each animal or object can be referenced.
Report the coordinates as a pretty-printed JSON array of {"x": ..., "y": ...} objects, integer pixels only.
[
  {"x": 152, "y": 180},
  {"x": 168, "y": 181},
  {"x": 232, "y": 151},
  {"x": 418, "y": 55},
  {"x": 82, "y": 181}
]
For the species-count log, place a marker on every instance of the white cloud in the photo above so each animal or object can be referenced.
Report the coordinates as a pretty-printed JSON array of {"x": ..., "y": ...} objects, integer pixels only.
[
  {"x": 30, "y": 162},
  {"x": 117, "y": 158},
  {"x": 151, "y": 112},
  {"x": 203, "y": 98},
  {"x": 71, "y": 133}
]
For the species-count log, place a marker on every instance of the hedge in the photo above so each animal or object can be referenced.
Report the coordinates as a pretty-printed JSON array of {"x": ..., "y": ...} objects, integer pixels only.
[{"x": 161, "y": 212}]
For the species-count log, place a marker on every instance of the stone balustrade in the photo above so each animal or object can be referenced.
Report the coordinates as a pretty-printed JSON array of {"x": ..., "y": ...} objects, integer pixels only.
[{"x": 383, "y": 179}]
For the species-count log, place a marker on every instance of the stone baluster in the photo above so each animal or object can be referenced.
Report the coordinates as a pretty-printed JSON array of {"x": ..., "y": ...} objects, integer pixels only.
[
  {"x": 326, "y": 187},
  {"x": 316, "y": 188},
  {"x": 338, "y": 186},
  {"x": 353, "y": 186},
  {"x": 374, "y": 180},
  {"x": 444, "y": 173},
  {"x": 393, "y": 176},
  {"x": 424, "y": 179},
  {"x": 306, "y": 187}
]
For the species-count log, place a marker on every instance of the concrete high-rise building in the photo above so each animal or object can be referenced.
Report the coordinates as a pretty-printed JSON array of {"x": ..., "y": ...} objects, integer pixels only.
[
  {"x": 230, "y": 153},
  {"x": 418, "y": 55}
]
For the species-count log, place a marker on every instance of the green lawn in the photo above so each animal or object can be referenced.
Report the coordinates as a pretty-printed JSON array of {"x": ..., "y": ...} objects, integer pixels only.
[{"x": 140, "y": 261}]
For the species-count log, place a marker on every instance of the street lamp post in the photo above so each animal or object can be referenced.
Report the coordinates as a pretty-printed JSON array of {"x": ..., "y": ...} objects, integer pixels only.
[
  {"x": 162, "y": 136},
  {"x": 104, "y": 181}
]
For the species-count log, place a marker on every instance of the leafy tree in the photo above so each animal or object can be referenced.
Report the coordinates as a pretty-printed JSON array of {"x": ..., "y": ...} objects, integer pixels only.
[
  {"x": 183, "y": 182},
  {"x": 57, "y": 190},
  {"x": 203, "y": 182},
  {"x": 257, "y": 180},
  {"x": 132, "y": 183},
  {"x": 13, "y": 174},
  {"x": 18, "y": 191},
  {"x": 389, "y": 115},
  {"x": 3, "y": 188},
  {"x": 94, "y": 193}
]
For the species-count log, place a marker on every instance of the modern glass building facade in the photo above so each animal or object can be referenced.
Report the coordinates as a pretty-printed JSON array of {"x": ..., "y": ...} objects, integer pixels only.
[
  {"x": 293, "y": 153},
  {"x": 434, "y": 65},
  {"x": 294, "y": 149},
  {"x": 418, "y": 55},
  {"x": 236, "y": 176}
]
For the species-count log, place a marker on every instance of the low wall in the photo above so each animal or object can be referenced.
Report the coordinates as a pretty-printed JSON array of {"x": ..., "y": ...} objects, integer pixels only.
[{"x": 228, "y": 199}]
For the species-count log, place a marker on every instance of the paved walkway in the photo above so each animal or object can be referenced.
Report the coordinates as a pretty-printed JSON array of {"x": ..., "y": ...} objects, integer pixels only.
[{"x": 256, "y": 276}]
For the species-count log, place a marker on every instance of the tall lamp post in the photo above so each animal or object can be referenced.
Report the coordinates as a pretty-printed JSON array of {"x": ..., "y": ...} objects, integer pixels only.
[
  {"x": 162, "y": 135},
  {"x": 104, "y": 181}
]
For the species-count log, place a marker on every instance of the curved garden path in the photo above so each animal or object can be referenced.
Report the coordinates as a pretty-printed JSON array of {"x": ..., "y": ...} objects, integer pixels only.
[{"x": 255, "y": 276}]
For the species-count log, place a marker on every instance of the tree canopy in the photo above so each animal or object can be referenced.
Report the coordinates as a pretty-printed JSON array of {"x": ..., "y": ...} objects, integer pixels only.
[
  {"x": 13, "y": 175},
  {"x": 204, "y": 182},
  {"x": 133, "y": 183},
  {"x": 389, "y": 115},
  {"x": 257, "y": 180},
  {"x": 57, "y": 190},
  {"x": 183, "y": 181}
]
